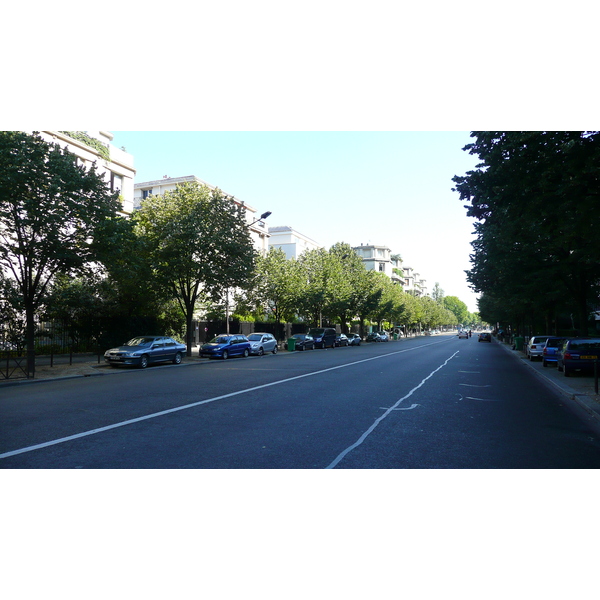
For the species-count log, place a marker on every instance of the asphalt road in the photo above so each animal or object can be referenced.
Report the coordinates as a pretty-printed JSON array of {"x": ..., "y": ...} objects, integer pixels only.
[{"x": 426, "y": 403}]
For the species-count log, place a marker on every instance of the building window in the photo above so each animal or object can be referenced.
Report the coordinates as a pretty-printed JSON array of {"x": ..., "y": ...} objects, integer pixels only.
[
  {"x": 146, "y": 193},
  {"x": 382, "y": 267},
  {"x": 116, "y": 182}
]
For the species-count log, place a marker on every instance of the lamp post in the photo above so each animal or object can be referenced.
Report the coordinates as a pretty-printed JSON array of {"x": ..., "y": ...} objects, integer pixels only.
[{"x": 259, "y": 220}]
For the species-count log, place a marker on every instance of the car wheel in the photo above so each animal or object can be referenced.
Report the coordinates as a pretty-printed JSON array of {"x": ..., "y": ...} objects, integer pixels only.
[
  {"x": 567, "y": 371},
  {"x": 558, "y": 367},
  {"x": 143, "y": 362},
  {"x": 225, "y": 355},
  {"x": 177, "y": 359},
  {"x": 260, "y": 351},
  {"x": 275, "y": 349},
  {"x": 544, "y": 363},
  {"x": 246, "y": 353}
]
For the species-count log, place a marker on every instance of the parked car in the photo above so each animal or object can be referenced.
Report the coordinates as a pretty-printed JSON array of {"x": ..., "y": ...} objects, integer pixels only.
[
  {"x": 373, "y": 337},
  {"x": 551, "y": 349},
  {"x": 144, "y": 350},
  {"x": 354, "y": 339},
  {"x": 535, "y": 346},
  {"x": 383, "y": 336},
  {"x": 261, "y": 343},
  {"x": 341, "y": 340},
  {"x": 485, "y": 337},
  {"x": 304, "y": 341},
  {"x": 225, "y": 345},
  {"x": 323, "y": 336},
  {"x": 463, "y": 334},
  {"x": 578, "y": 354}
]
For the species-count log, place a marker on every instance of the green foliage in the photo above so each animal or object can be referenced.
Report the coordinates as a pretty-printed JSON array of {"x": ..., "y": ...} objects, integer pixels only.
[
  {"x": 51, "y": 216},
  {"x": 197, "y": 244},
  {"x": 535, "y": 198},
  {"x": 97, "y": 145}
]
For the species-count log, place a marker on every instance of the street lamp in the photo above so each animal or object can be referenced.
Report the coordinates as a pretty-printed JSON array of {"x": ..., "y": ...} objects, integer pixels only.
[{"x": 262, "y": 217}]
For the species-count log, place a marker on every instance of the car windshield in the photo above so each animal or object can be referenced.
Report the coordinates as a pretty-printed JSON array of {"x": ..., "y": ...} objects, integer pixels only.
[
  {"x": 255, "y": 337},
  {"x": 139, "y": 341},
  {"x": 220, "y": 339}
]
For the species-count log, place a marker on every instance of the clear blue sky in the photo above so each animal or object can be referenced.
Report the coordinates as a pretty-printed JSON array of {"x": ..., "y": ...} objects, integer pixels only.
[{"x": 384, "y": 188}]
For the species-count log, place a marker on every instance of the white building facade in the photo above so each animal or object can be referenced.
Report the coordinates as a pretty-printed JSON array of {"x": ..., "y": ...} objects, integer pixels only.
[
  {"x": 292, "y": 242},
  {"x": 256, "y": 226},
  {"x": 115, "y": 164}
]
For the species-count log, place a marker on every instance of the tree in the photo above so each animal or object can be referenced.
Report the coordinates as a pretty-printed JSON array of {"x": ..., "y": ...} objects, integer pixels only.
[
  {"x": 51, "y": 213},
  {"x": 535, "y": 197},
  {"x": 458, "y": 308},
  {"x": 438, "y": 293},
  {"x": 198, "y": 244}
]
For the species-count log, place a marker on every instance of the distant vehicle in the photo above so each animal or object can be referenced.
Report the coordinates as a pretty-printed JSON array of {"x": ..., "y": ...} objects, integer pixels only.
[
  {"x": 341, "y": 340},
  {"x": 304, "y": 341},
  {"x": 354, "y": 339},
  {"x": 485, "y": 337},
  {"x": 261, "y": 343},
  {"x": 144, "y": 350},
  {"x": 535, "y": 346},
  {"x": 551, "y": 350},
  {"x": 384, "y": 337},
  {"x": 463, "y": 334},
  {"x": 323, "y": 336},
  {"x": 225, "y": 345},
  {"x": 578, "y": 354},
  {"x": 373, "y": 337}
]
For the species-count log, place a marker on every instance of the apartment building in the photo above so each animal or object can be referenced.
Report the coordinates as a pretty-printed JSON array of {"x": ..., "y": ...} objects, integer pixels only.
[
  {"x": 292, "y": 242},
  {"x": 258, "y": 230},
  {"x": 90, "y": 147},
  {"x": 380, "y": 258}
]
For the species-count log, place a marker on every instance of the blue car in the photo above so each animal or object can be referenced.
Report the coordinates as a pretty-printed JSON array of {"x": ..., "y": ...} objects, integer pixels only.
[
  {"x": 578, "y": 354},
  {"x": 551, "y": 350},
  {"x": 224, "y": 346}
]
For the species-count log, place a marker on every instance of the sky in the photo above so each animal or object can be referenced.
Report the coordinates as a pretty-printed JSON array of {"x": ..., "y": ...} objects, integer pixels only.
[{"x": 383, "y": 188}]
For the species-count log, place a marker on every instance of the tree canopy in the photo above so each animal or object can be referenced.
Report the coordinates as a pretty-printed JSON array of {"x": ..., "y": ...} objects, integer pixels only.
[
  {"x": 52, "y": 211},
  {"x": 535, "y": 197}
]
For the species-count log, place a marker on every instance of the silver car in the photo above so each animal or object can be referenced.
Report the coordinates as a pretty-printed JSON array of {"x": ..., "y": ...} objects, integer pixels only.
[
  {"x": 144, "y": 350},
  {"x": 260, "y": 343},
  {"x": 535, "y": 346}
]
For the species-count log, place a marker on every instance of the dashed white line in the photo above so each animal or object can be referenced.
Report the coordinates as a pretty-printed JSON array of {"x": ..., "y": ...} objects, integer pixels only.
[
  {"x": 367, "y": 433},
  {"x": 200, "y": 403}
]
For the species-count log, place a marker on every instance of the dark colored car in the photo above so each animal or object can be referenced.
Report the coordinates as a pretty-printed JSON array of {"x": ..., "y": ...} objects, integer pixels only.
[
  {"x": 485, "y": 337},
  {"x": 551, "y": 349},
  {"x": 341, "y": 339},
  {"x": 225, "y": 345},
  {"x": 578, "y": 354},
  {"x": 373, "y": 337},
  {"x": 354, "y": 339},
  {"x": 304, "y": 341},
  {"x": 144, "y": 350},
  {"x": 323, "y": 336}
]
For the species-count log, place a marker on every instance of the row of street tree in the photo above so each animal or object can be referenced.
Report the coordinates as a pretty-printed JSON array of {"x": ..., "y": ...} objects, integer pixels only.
[
  {"x": 66, "y": 253},
  {"x": 535, "y": 198}
]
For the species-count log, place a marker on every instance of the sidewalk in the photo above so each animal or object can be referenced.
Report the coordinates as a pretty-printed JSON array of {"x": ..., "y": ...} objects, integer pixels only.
[{"x": 579, "y": 387}]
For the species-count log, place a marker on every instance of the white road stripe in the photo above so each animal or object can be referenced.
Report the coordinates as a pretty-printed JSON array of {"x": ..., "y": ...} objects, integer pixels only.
[
  {"x": 194, "y": 404},
  {"x": 366, "y": 434}
]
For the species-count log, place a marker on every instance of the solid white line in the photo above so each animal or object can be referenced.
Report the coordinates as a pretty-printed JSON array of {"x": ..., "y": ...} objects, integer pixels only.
[
  {"x": 366, "y": 434},
  {"x": 194, "y": 404}
]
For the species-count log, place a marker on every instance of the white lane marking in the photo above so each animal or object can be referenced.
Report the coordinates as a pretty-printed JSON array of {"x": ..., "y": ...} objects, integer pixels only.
[
  {"x": 469, "y": 371},
  {"x": 367, "y": 433},
  {"x": 482, "y": 399},
  {"x": 406, "y": 408},
  {"x": 471, "y": 385},
  {"x": 199, "y": 403}
]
